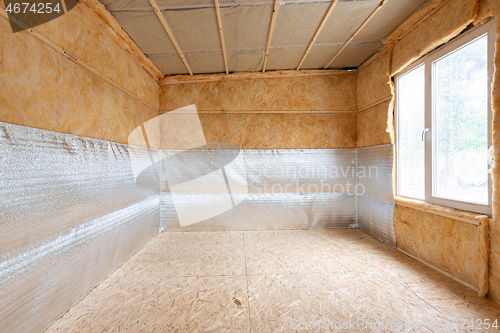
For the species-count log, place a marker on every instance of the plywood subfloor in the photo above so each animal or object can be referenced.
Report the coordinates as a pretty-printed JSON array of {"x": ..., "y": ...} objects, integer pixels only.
[{"x": 274, "y": 281}]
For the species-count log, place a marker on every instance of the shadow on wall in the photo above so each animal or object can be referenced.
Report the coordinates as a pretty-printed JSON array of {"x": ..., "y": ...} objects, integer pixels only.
[
  {"x": 219, "y": 186},
  {"x": 187, "y": 167}
]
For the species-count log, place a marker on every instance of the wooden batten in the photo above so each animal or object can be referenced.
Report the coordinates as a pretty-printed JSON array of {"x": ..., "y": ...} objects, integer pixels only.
[
  {"x": 271, "y": 29},
  {"x": 170, "y": 35},
  {"x": 375, "y": 104},
  {"x": 59, "y": 49},
  {"x": 102, "y": 17},
  {"x": 177, "y": 79},
  {"x": 313, "y": 40},
  {"x": 270, "y": 112},
  {"x": 221, "y": 34},
  {"x": 405, "y": 28},
  {"x": 451, "y": 213},
  {"x": 468, "y": 285},
  {"x": 358, "y": 30}
]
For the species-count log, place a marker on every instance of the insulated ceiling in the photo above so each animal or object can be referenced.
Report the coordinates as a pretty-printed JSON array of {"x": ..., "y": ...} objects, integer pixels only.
[{"x": 246, "y": 26}]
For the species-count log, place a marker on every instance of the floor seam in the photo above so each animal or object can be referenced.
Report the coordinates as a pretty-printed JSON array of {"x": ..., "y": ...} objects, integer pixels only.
[
  {"x": 423, "y": 300},
  {"x": 246, "y": 278}
]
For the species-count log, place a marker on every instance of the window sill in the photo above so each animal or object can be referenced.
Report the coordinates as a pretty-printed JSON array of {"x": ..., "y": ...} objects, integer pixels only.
[{"x": 456, "y": 214}]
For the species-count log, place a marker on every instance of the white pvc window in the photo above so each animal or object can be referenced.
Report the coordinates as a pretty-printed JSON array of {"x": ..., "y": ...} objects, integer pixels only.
[
  {"x": 411, "y": 148},
  {"x": 444, "y": 124}
]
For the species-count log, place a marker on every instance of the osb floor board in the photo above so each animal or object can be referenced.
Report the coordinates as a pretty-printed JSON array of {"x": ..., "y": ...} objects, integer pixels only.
[
  {"x": 267, "y": 281},
  {"x": 188, "y": 254}
]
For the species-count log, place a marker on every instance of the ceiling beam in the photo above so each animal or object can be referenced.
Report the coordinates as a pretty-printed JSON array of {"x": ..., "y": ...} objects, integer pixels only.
[
  {"x": 169, "y": 33},
  {"x": 179, "y": 79},
  {"x": 270, "y": 111},
  {"x": 271, "y": 28},
  {"x": 221, "y": 34},
  {"x": 368, "y": 19},
  {"x": 313, "y": 40}
]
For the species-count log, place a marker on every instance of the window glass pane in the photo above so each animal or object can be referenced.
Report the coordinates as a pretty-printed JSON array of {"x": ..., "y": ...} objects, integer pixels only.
[
  {"x": 411, "y": 123},
  {"x": 460, "y": 115}
]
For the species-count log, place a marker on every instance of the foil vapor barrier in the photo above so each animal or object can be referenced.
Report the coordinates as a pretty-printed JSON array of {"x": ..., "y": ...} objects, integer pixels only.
[
  {"x": 376, "y": 205},
  {"x": 262, "y": 189},
  {"x": 70, "y": 213},
  {"x": 72, "y": 209}
]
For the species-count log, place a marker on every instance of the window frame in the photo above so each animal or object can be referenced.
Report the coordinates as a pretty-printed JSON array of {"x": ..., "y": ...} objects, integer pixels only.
[{"x": 428, "y": 61}]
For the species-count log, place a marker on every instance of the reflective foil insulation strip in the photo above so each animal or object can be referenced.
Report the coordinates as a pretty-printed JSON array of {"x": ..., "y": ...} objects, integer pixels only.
[
  {"x": 70, "y": 214},
  {"x": 376, "y": 204},
  {"x": 271, "y": 189}
]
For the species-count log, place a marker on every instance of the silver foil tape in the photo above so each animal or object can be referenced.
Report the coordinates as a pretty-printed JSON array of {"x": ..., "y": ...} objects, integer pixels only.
[
  {"x": 376, "y": 205},
  {"x": 70, "y": 213},
  {"x": 287, "y": 188}
]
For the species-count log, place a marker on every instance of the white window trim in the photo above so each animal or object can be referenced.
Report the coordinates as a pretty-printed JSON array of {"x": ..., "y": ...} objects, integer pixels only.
[{"x": 429, "y": 59}]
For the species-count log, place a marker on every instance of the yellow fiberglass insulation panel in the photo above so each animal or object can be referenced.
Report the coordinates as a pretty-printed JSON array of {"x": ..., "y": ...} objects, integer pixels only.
[
  {"x": 459, "y": 248},
  {"x": 413, "y": 20},
  {"x": 42, "y": 88},
  {"x": 495, "y": 226},
  {"x": 374, "y": 80},
  {"x": 114, "y": 29},
  {"x": 336, "y": 92},
  {"x": 374, "y": 125},
  {"x": 281, "y": 131},
  {"x": 437, "y": 29},
  {"x": 489, "y": 8},
  {"x": 80, "y": 36}
]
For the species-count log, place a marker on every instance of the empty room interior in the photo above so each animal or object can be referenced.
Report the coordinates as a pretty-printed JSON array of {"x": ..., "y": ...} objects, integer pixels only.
[{"x": 249, "y": 166}]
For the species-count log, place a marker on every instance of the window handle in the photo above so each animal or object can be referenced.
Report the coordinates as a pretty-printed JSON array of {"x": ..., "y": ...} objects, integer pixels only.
[{"x": 427, "y": 129}]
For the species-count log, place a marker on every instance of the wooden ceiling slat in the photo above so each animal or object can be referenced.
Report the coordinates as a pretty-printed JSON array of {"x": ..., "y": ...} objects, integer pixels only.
[
  {"x": 170, "y": 35},
  {"x": 271, "y": 29},
  {"x": 373, "y": 13},
  {"x": 221, "y": 33},
  {"x": 313, "y": 40}
]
